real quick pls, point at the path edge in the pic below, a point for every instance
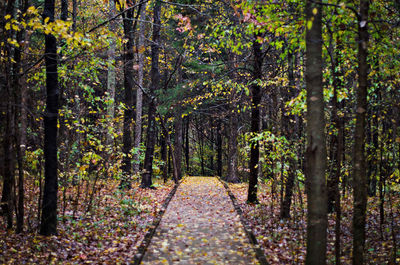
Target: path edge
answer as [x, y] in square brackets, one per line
[250, 235]
[141, 250]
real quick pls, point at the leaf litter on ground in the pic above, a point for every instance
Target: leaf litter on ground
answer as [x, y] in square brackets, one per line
[108, 234]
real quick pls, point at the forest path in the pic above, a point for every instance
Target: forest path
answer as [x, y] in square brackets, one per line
[200, 226]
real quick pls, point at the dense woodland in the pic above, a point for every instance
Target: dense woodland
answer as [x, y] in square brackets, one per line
[106, 104]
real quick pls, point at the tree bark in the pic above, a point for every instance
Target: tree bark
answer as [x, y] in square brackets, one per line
[178, 144]
[187, 150]
[316, 149]
[8, 178]
[359, 170]
[255, 120]
[20, 117]
[48, 224]
[128, 97]
[232, 149]
[139, 92]
[111, 76]
[155, 83]
[164, 154]
[219, 149]
[74, 14]
[289, 134]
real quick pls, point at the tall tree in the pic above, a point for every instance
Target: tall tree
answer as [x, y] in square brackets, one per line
[290, 133]
[155, 82]
[178, 126]
[255, 119]
[7, 200]
[111, 76]
[316, 149]
[359, 168]
[139, 93]
[128, 97]
[48, 224]
[20, 100]
[233, 125]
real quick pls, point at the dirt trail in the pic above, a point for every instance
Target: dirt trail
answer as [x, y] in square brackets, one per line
[200, 226]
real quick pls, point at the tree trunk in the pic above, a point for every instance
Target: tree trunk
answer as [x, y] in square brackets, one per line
[8, 178]
[20, 133]
[178, 143]
[255, 120]
[359, 170]
[155, 82]
[74, 14]
[187, 151]
[338, 155]
[232, 149]
[233, 125]
[49, 206]
[219, 149]
[111, 78]
[139, 93]
[164, 155]
[128, 98]
[316, 150]
[212, 150]
[289, 134]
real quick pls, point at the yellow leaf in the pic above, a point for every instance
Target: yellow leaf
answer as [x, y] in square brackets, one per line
[7, 17]
[309, 24]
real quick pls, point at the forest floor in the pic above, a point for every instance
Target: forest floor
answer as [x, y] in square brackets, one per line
[284, 241]
[109, 233]
[200, 226]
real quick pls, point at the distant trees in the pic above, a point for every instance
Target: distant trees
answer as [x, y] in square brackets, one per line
[230, 89]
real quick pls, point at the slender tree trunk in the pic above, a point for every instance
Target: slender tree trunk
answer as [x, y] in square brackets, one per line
[128, 98]
[9, 178]
[359, 171]
[111, 75]
[212, 143]
[8, 192]
[219, 149]
[178, 143]
[178, 136]
[232, 149]
[164, 155]
[48, 224]
[201, 148]
[20, 100]
[289, 133]
[316, 150]
[21, 147]
[233, 126]
[255, 120]
[155, 82]
[74, 14]
[339, 150]
[187, 151]
[139, 93]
